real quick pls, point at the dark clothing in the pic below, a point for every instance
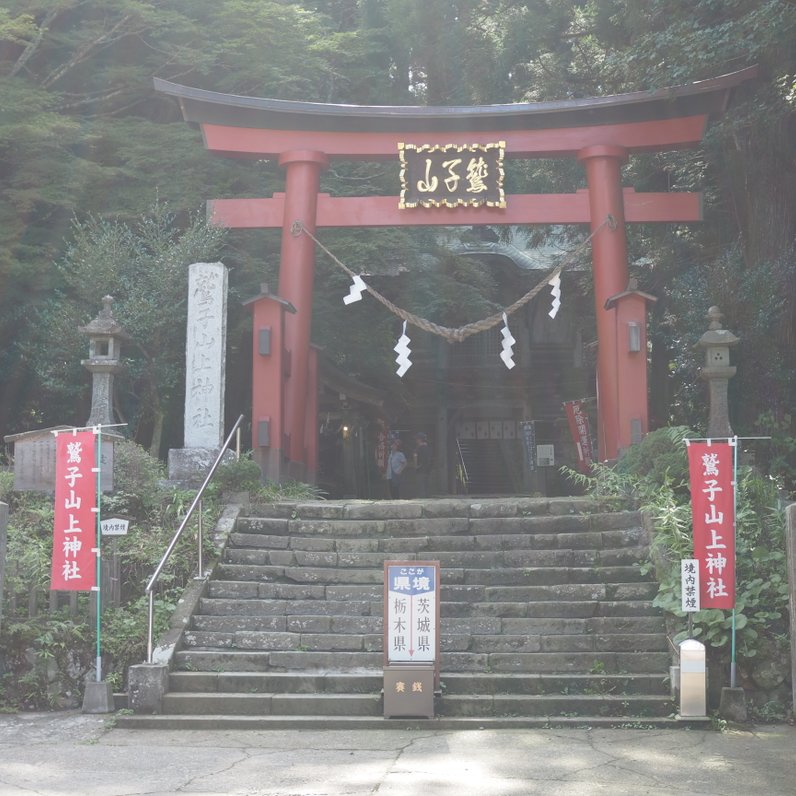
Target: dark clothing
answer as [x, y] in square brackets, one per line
[423, 468]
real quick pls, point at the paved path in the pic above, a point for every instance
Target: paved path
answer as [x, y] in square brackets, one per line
[69, 753]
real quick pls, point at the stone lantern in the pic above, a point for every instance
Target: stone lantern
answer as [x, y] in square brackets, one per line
[104, 361]
[717, 371]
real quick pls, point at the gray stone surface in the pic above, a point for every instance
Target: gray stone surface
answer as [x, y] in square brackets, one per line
[98, 697]
[205, 355]
[147, 686]
[189, 466]
[66, 753]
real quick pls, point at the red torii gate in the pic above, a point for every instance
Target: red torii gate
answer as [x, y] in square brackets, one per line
[600, 132]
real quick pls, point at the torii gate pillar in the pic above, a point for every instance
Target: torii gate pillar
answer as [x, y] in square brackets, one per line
[609, 256]
[296, 277]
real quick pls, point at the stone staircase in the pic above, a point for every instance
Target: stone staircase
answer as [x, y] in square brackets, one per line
[546, 619]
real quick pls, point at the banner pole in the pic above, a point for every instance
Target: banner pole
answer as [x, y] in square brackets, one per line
[99, 553]
[734, 443]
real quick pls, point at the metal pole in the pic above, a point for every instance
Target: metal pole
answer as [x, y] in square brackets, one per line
[150, 627]
[199, 536]
[3, 543]
[98, 432]
[734, 443]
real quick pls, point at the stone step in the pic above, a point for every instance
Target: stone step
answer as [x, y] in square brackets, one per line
[450, 641]
[314, 622]
[587, 603]
[451, 683]
[566, 609]
[488, 577]
[375, 723]
[236, 704]
[391, 527]
[611, 662]
[432, 508]
[429, 543]
[272, 682]
[474, 625]
[457, 683]
[546, 619]
[323, 704]
[480, 559]
[494, 601]
[552, 705]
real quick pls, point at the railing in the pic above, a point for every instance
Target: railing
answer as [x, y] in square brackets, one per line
[197, 503]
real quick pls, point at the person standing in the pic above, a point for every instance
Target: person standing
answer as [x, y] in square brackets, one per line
[396, 464]
[422, 462]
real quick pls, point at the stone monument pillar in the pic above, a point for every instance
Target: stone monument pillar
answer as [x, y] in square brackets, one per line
[205, 364]
[104, 351]
[717, 372]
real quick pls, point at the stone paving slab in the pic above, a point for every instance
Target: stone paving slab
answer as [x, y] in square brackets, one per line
[65, 754]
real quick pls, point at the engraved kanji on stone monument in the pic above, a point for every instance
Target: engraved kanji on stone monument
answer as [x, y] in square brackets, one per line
[205, 355]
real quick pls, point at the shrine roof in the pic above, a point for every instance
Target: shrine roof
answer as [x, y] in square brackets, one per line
[703, 97]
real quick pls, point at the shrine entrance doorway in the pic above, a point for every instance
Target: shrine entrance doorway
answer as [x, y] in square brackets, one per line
[601, 133]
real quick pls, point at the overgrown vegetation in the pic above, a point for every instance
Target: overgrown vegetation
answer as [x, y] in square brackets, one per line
[47, 648]
[47, 642]
[653, 477]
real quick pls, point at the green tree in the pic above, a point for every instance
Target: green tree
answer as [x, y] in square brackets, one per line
[144, 265]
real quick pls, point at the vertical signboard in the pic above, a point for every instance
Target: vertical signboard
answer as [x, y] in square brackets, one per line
[528, 431]
[74, 560]
[411, 611]
[710, 466]
[581, 435]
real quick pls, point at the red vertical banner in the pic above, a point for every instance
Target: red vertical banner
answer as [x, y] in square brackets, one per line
[710, 465]
[581, 435]
[74, 564]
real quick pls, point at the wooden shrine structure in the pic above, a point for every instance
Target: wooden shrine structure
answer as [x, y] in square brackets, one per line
[601, 132]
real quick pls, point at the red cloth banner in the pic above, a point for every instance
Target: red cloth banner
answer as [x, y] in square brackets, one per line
[581, 436]
[74, 566]
[710, 465]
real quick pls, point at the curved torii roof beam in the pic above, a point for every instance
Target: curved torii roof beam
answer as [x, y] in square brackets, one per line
[668, 118]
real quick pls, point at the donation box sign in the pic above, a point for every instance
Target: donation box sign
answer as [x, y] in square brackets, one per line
[411, 611]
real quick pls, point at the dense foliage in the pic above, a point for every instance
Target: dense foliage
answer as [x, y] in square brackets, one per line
[47, 646]
[82, 132]
[654, 478]
[47, 642]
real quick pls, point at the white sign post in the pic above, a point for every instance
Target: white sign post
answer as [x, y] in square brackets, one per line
[689, 584]
[114, 527]
[411, 637]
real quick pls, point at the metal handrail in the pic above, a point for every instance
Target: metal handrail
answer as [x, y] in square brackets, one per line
[197, 501]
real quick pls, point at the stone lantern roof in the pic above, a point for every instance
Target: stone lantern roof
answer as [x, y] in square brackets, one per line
[104, 324]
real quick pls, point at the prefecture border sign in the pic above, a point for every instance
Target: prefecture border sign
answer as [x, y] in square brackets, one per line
[411, 611]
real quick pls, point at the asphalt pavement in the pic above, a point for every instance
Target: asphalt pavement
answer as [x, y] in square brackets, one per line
[54, 754]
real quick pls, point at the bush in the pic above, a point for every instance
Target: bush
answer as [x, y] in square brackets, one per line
[653, 476]
[240, 475]
[44, 659]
